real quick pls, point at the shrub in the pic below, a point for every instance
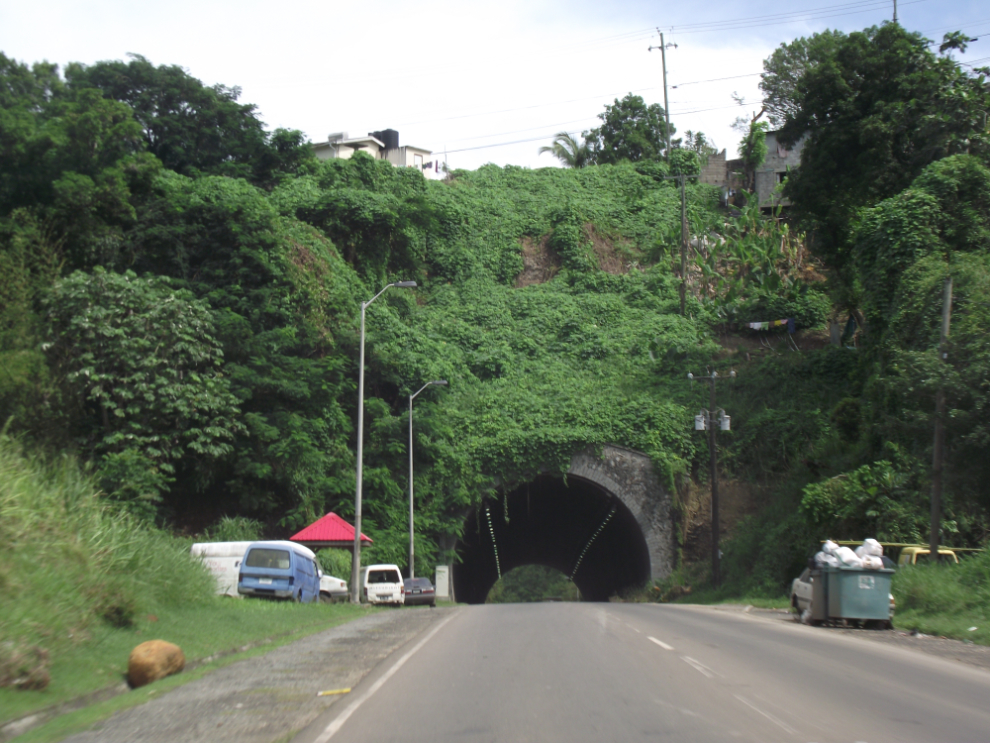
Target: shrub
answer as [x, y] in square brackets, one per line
[69, 557]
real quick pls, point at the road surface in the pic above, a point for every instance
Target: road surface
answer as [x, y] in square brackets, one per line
[625, 672]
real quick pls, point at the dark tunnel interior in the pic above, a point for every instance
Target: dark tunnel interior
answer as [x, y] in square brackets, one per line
[575, 527]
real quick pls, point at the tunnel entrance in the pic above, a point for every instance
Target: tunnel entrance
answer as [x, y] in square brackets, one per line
[576, 527]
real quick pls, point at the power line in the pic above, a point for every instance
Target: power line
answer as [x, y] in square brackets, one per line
[501, 144]
[746, 24]
[955, 26]
[572, 133]
[520, 131]
[796, 14]
[716, 79]
[524, 108]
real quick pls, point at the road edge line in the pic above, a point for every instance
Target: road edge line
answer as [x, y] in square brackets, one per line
[338, 722]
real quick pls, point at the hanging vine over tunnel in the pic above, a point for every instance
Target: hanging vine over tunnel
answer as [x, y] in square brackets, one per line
[572, 525]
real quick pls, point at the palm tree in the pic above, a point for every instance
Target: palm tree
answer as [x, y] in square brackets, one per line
[569, 151]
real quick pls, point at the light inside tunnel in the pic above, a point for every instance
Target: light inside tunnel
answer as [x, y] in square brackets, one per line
[575, 527]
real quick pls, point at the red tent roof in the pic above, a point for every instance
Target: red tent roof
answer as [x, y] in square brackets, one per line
[330, 528]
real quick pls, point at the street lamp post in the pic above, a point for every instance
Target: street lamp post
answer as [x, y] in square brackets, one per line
[356, 558]
[711, 420]
[412, 537]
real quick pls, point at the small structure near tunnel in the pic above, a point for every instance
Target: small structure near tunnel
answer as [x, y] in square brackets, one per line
[607, 524]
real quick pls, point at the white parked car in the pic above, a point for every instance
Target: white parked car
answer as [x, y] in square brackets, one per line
[332, 589]
[801, 595]
[383, 584]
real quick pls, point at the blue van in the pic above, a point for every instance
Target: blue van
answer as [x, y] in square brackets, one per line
[283, 570]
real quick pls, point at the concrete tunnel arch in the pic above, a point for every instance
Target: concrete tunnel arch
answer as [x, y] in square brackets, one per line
[607, 524]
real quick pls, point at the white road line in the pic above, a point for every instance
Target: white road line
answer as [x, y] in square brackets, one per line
[698, 665]
[662, 644]
[774, 720]
[330, 730]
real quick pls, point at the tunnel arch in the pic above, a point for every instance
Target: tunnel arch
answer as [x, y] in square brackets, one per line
[606, 524]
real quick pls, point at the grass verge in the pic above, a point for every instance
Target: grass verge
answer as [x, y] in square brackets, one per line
[210, 635]
[946, 600]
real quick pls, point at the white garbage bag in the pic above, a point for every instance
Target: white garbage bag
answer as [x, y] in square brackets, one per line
[870, 547]
[871, 562]
[829, 547]
[847, 557]
[823, 559]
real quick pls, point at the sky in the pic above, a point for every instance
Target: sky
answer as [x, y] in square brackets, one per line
[473, 82]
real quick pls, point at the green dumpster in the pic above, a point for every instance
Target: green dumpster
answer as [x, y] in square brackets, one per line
[858, 593]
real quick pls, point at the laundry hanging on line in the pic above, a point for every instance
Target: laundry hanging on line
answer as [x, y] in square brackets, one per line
[789, 322]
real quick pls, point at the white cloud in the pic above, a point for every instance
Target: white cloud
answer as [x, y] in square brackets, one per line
[443, 73]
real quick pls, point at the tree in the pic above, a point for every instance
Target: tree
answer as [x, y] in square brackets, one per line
[143, 359]
[71, 163]
[630, 130]
[877, 111]
[193, 128]
[696, 142]
[785, 67]
[753, 150]
[571, 152]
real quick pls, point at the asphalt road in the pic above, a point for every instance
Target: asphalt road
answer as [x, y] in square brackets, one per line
[626, 672]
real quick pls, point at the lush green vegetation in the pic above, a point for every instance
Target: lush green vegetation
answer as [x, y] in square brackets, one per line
[70, 561]
[946, 600]
[181, 299]
[84, 581]
[532, 583]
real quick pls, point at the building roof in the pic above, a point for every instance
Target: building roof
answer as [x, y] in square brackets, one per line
[327, 531]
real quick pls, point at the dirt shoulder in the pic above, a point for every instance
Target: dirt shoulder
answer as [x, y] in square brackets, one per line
[958, 650]
[269, 697]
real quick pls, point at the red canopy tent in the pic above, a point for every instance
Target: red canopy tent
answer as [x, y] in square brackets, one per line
[329, 531]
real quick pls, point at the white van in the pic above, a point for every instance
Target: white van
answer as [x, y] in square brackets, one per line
[383, 585]
[223, 559]
[279, 570]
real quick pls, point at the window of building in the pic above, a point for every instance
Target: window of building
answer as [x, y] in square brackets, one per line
[418, 161]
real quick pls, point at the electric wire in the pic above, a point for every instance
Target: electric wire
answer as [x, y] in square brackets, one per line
[572, 133]
[750, 22]
[716, 79]
[790, 14]
[760, 22]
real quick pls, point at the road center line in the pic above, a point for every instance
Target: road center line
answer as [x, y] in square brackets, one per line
[330, 730]
[697, 665]
[662, 644]
[774, 720]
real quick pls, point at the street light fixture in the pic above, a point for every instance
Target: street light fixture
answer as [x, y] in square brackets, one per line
[356, 558]
[412, 562]
[712, 420]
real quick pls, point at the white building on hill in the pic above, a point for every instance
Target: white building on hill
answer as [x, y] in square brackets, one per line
[382, 145]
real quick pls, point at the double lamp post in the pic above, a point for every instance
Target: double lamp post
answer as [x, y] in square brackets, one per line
[356, 560]
[712, 420]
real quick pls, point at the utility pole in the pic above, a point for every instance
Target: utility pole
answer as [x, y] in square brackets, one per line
[895, 11]
[666, 108]
[712, 420]
[933, 541]
[684, 236]
[684, 247]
